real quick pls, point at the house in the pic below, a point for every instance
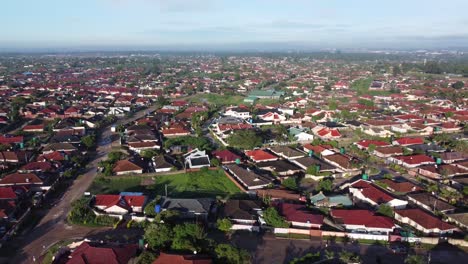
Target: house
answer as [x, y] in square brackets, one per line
[165, 258]
[343, 162]
[279, 167]
[364, 144]
[196, 159]
[326, 133]
[442, 171]
[244, 212]
[318, 150]
[400, 187]
[189, 208]
[431, 203]
[321, 200]
[93, 253]
[367, 192]
[273, 117]
[460, 219]
[239, 112]
[61, 147]
[139, 147]
[407, 141]
[287, 152]
[451, 157]
[386, 152]
[248, 178]
[34, 128]
[175, 132]
[307, 162]
[259, 155]
[13, 192]
[21, 179]
[226, 156]
[424, 222]
[298, 215]
[163, 163]
[377, 132]
[120, 204]
[362, 221]
[303, 137]
[122, 167]
[412, 161]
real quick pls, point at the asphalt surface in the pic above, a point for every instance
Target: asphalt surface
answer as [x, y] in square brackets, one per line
[53, 227]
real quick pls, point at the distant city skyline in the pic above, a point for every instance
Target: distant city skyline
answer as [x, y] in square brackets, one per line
[224, 25]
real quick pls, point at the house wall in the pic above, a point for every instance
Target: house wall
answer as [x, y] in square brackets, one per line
[116, 210]
[129, 172]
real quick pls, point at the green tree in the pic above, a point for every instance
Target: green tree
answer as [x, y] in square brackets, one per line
[215, 162]
[312, 170]
[458, 85]
[415, 259]
[307, 258]
[188, 236]
[228, 254]
[325, 185]
[158, 236]
[89, 141]
[148, 153]
[272, 218]
[224, 225]
[245, 139]
[348, 257]
[290, 183]
[146, 257]
[386, 210]
[329, 254]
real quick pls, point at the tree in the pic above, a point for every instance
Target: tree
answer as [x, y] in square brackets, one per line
[167, 216]
[415, 259]
[89, 141]
[272, 218]
[329, 254]
[325, 185]
[189, 237]
[215, 162]
[348, 257]
[245, 139]
[371, 148]
[290, 183]
[386, 210]
[307, 258]
[148, 153]
[396, 70]
[224, 225]
[158, 236]
[149, 208]
[312, 170]
[147, 257]
[458, 85]
[228, 254]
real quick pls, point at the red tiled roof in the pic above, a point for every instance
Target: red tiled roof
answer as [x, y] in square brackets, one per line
[424, 219]
[125, 165]
[362, 217]
[227, 127]
[109, 200]
[37, 166]
[20, 178]
[225, 155]
[372, 192]
[182, 259]
[365, 143]
[259, 155]
[409, 141]
[299, 213]
[403, 187]
[415, 159]
[11, 140]
[89, 254]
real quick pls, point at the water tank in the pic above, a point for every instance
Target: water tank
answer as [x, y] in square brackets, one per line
[157, 208]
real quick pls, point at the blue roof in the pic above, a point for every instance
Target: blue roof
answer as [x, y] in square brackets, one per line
[131, 194]
[341, 199]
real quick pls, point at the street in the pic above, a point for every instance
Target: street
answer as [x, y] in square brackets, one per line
[53, 227]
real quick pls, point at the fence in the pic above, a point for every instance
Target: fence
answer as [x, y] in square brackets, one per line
[309, 232]
[245, 227]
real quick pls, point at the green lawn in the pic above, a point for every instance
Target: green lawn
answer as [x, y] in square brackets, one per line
[184, 185]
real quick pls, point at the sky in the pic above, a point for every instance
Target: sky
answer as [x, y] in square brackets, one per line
[259, 24]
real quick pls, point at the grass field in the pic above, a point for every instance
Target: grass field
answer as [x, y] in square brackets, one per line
[211, 183]
[218, 99]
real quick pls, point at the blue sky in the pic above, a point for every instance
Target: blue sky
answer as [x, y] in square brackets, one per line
[211, 23]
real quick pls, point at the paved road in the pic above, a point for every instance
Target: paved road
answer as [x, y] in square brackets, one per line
[53, 226]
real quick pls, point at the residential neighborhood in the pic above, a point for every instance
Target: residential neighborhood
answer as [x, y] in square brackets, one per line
[176, 158]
